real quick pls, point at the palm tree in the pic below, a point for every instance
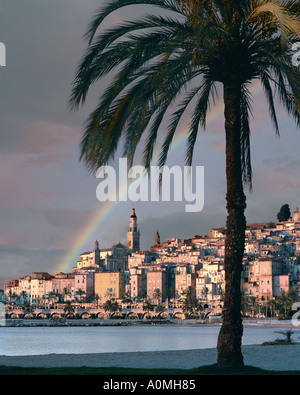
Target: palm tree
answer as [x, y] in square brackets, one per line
[127, 299]
[80, 292]
[52, 296]
[97, 299]
[111, 305]
[11, 295]
[142, 295]
[26, 307]
[191, 303]
[24, 295]
[178, 61]
[68, 307]
[66, 293]
[157, 295]
[148, 306]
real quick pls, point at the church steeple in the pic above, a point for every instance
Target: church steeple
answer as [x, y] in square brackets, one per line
[157, 239]
[133, 234]
[96, 245]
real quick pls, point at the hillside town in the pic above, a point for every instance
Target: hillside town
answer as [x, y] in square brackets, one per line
[173, 270]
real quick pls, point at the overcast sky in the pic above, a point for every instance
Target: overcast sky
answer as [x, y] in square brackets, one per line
[48, 197]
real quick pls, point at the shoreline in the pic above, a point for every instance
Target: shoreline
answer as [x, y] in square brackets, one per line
[279, 357]
[269, 357]
[247, 323]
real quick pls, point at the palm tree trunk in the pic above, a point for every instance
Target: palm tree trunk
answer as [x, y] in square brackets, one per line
[230, 336]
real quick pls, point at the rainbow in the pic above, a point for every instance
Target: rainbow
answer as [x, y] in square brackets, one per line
[110, 211]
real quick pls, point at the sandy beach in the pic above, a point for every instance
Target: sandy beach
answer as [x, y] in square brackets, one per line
[283, 357]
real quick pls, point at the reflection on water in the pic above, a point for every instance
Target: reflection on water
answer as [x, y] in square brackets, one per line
[72, 340]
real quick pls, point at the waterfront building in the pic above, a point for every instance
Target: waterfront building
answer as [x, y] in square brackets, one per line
[84, 284]
[62, 283]
[138, 284]
[266, 278]
[11, 289]
[281, 284]
[185, 278]
[38, 287]
[31, 288]
[25, 287]
[201, 289]
[109, 285]
[157, 283]
[271, 265]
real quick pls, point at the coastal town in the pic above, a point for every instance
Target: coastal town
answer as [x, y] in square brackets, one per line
[184, 274]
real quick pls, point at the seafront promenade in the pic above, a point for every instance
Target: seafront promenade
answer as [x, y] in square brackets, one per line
[82, 314]
[209, 321]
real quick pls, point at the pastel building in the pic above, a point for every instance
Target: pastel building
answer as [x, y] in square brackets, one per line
[90, 258]
[108, 285]
[63, 281]
[184, 279]
[281, 283]
[25, 285]
[114, 258]
[157, 282]
[137, 259]
[11, 288]
[84, 283]
[138, 283]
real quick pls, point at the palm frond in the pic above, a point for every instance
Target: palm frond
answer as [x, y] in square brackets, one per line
[163, 63]
[173, 125]
[198, 118]
[104, 56]
[169, 5]
[272, 12]
[265, 79]
[246, 111]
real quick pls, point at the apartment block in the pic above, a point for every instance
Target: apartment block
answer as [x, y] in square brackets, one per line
[138, 284]
[84, 282]
[184, 279]
[157, 281]
[109, 285]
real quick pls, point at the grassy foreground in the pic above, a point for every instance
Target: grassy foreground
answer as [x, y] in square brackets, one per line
[203, 370]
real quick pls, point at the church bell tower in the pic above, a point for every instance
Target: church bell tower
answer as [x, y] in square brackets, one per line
[157, 239]
[133, 234]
